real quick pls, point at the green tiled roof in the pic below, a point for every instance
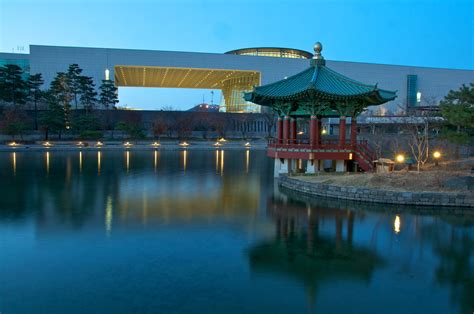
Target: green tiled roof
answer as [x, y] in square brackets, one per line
[318, 84]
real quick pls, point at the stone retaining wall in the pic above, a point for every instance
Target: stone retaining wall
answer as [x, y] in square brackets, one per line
[378, 196]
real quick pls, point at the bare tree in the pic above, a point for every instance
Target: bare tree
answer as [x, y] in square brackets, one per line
[269, 118]
[221, 123]
[418, 141]
[159, 127]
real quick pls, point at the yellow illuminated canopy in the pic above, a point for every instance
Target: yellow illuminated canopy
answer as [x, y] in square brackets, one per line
[233, 83]
[171, 77]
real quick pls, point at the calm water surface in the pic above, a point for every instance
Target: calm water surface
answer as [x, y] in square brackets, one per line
[208, 232]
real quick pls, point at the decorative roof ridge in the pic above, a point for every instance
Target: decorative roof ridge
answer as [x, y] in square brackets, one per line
[285, 79]
[341, 76]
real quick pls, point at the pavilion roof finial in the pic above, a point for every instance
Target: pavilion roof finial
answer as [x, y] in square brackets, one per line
[318, 58]
[318, 47]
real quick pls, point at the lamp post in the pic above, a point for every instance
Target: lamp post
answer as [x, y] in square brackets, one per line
[437, 156]
[400, 158]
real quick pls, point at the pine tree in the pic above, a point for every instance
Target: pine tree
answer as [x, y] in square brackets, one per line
[60, 93]
[13, 89]
[34, 83]
[108, 94]
[53, 119]
[87, 91]
[74, 81]
[458, 110]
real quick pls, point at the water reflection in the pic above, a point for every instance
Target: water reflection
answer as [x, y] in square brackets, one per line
[108, 216]
[47, 162]
[184, 154]
[14, 163]
[216, 224]
[127, 160]
[155, 160]
[247, 160]
[396, 224]
[80, 162]
[301, 250]
[99, 156]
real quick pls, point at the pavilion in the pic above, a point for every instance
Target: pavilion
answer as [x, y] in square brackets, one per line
[318, 93]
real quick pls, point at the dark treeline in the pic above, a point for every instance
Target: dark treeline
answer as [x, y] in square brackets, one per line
[68, 90]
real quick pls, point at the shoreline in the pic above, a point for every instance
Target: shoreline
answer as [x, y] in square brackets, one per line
[144, 146]
[463, 199]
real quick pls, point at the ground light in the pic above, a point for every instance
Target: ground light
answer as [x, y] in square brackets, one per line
[217, 144]
[400, 158]
[47, 144]
[127, 144]
[80, 144]
[99, 144]
[13, 144]
[155, 144]
[184, 144]
[437, 156]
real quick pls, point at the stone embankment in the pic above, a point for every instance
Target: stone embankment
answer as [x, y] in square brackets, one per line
[370, 194]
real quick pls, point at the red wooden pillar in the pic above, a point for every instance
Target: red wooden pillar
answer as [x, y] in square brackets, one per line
[314, 131]
[279, 130]
[286, 130]
[342, 131]
[353, 132]
[293, 131]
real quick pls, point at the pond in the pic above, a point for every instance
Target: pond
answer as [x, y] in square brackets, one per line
[209, 232]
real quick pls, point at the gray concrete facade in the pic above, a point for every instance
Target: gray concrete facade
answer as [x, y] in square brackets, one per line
[433, 83]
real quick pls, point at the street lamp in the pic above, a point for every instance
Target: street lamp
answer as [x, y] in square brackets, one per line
[436, 156]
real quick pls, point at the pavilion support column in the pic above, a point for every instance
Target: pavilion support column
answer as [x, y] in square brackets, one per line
[286, 130]
[353, 132]
[279, 130]
[314, 126]
[293, 130]
[342, 131]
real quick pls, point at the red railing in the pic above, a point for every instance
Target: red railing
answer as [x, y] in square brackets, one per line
[363, 154]
[305, 144]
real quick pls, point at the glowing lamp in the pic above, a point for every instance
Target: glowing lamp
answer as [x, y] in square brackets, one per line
[247, 144]
[400, 158]
[47, 144]
[324, 131]
[300, 133]
[155, 144]
[99, 144]
[127, 144]
[13, 144]
[222, 139]
[437, 154]
[217, 144]
[184, 144]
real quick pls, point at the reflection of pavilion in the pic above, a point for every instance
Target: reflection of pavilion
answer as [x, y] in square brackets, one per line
[299, 250]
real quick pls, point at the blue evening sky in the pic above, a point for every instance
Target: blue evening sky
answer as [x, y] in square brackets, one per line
[424, 33]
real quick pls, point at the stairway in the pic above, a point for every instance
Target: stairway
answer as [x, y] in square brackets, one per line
[364, 156]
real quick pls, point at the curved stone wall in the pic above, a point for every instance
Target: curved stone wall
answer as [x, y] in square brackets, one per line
[378, 196]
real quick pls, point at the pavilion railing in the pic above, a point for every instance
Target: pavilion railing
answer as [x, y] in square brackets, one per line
[305, 144]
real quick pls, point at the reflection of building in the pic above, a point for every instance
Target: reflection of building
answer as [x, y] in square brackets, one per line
[232, 72]
[300, 251]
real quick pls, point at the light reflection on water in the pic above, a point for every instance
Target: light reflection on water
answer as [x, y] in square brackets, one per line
[176, 231]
